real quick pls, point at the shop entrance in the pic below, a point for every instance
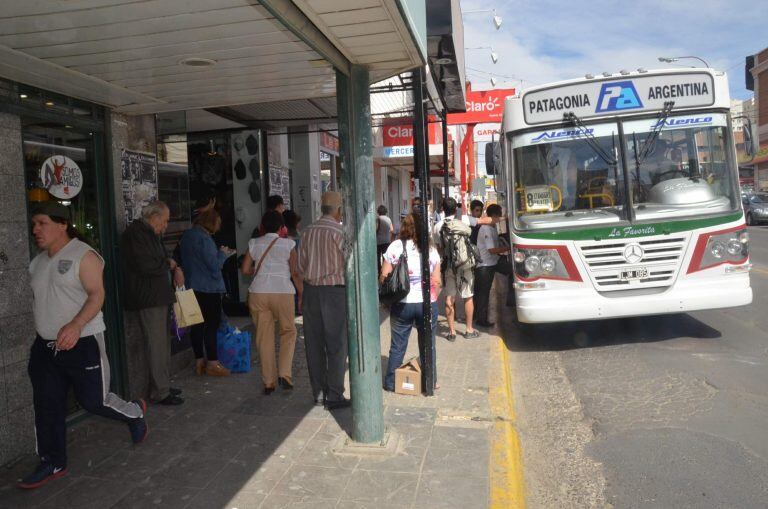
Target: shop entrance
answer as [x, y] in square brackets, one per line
[64, 160]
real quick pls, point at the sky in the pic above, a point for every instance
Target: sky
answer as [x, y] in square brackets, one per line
[551, 40]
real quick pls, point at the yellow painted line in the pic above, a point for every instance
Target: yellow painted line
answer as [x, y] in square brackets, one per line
[507, 488]
[760, 271]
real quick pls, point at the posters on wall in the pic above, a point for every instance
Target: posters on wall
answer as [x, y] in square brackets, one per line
[139, 171]
[280, 183]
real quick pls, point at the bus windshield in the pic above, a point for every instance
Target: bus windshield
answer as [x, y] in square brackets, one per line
[685, 172]
[568, 177]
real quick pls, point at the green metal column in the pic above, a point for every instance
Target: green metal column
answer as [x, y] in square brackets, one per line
[355, 137]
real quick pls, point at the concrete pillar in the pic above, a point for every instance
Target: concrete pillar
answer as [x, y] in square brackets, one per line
[306, 173]
[355, 135]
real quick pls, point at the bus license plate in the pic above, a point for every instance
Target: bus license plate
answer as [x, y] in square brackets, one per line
[634, 274]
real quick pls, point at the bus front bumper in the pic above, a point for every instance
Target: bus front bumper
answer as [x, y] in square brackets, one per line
[564, 305]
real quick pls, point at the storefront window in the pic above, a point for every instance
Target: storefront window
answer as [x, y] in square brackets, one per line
[59, 164]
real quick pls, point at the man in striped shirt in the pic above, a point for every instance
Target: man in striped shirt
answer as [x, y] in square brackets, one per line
[324, 303]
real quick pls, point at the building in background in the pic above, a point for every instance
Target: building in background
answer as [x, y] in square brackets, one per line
[757, 81]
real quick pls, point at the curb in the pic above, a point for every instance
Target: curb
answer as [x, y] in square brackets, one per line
[507, 487]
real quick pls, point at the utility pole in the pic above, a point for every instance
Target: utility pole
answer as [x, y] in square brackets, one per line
[421, 170]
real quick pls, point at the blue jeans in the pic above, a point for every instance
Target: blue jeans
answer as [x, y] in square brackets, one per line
[403, 317]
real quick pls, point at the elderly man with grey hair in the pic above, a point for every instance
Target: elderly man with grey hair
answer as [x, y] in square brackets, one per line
[148, 272]
[324, 303]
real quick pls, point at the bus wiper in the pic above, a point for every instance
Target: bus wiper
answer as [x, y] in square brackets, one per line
[650, 141]
[572, 119]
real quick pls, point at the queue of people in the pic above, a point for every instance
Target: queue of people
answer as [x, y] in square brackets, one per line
[66, 277]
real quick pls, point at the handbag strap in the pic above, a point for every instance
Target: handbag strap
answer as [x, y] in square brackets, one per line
[258, 267]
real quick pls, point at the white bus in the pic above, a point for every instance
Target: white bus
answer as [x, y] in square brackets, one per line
[623, 197]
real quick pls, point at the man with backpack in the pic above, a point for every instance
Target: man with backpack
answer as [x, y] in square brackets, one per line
[459, 259]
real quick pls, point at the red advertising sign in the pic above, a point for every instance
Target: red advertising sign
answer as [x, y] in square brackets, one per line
[483, 106]
[401, 134]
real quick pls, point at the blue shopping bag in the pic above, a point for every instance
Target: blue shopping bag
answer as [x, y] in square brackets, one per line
[234, 348]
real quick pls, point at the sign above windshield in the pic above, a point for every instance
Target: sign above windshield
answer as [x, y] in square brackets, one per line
[637, 94]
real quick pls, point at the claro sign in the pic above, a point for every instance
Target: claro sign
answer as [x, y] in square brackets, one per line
[483, 107]
[401, 135]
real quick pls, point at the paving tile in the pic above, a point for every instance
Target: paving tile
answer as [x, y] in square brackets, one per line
[407, 460]
[253, 474]
[279, 501]
[383, 488]
[195, 471]
[405, 415]
[318, 452]
[89, 492]
[320, 482]
[470, 463]
[157, 494]
[445, 437]
[134, 465]
[219, 499]
[444, 492]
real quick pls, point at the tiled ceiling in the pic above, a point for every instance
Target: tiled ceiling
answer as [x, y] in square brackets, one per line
[127, 54]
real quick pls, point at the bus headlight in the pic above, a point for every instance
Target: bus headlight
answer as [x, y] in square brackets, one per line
[716, 248]
[734, 247]
[547, 262]
[532, 263]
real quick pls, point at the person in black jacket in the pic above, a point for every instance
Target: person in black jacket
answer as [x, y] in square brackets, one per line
[147, 271]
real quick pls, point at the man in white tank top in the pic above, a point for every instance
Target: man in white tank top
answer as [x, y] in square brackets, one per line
[69, 348]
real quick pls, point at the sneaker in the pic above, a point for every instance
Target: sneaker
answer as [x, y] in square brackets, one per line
[335, 405]
[42, 474]
[175, 391]
[284, 384]
[138, 426]
[472, 335]
[171, 400]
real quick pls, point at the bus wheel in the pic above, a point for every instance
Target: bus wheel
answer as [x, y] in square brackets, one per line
[750, 221]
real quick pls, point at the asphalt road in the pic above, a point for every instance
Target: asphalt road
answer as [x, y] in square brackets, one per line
[664, 411]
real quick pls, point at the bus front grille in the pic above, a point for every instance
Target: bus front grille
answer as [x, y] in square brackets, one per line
[610, 270]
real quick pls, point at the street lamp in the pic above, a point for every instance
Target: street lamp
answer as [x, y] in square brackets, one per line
[494, 55]
[496, 18]
[670, 60]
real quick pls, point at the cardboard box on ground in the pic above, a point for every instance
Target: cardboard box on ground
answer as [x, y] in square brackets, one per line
[408, 378]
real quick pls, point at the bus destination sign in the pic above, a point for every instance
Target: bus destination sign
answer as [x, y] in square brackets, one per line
[636, 94]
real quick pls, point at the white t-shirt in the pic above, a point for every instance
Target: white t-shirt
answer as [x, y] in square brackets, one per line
[392, 255]
[487, 238]
[58, 292]
[275, 273]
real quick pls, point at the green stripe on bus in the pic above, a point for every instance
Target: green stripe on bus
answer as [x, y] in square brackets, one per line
[637, 230]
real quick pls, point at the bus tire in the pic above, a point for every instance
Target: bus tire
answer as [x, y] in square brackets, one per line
[750, 221]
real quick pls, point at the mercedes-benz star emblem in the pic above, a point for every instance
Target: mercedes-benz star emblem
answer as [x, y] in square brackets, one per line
[633, 253]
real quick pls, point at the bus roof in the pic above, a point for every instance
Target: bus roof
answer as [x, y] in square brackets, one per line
[628, 93]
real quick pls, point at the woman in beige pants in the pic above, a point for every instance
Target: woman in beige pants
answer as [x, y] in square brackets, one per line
[273, 264]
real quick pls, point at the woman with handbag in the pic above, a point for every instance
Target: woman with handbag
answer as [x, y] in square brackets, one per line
[402, 258]
[272, 261]
[202, 263]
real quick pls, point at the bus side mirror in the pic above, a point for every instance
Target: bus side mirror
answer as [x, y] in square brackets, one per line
[492, 157]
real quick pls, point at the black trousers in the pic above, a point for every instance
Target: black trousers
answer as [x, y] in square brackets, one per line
[203, 335]
[85, 368]
[483, 282]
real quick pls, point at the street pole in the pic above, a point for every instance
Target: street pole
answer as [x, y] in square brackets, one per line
[355, 137]
[421, 169]
[446, 183]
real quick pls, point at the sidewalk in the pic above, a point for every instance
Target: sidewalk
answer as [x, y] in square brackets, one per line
[229, 446]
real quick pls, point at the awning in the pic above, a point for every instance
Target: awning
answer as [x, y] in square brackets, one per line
[170, 55]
